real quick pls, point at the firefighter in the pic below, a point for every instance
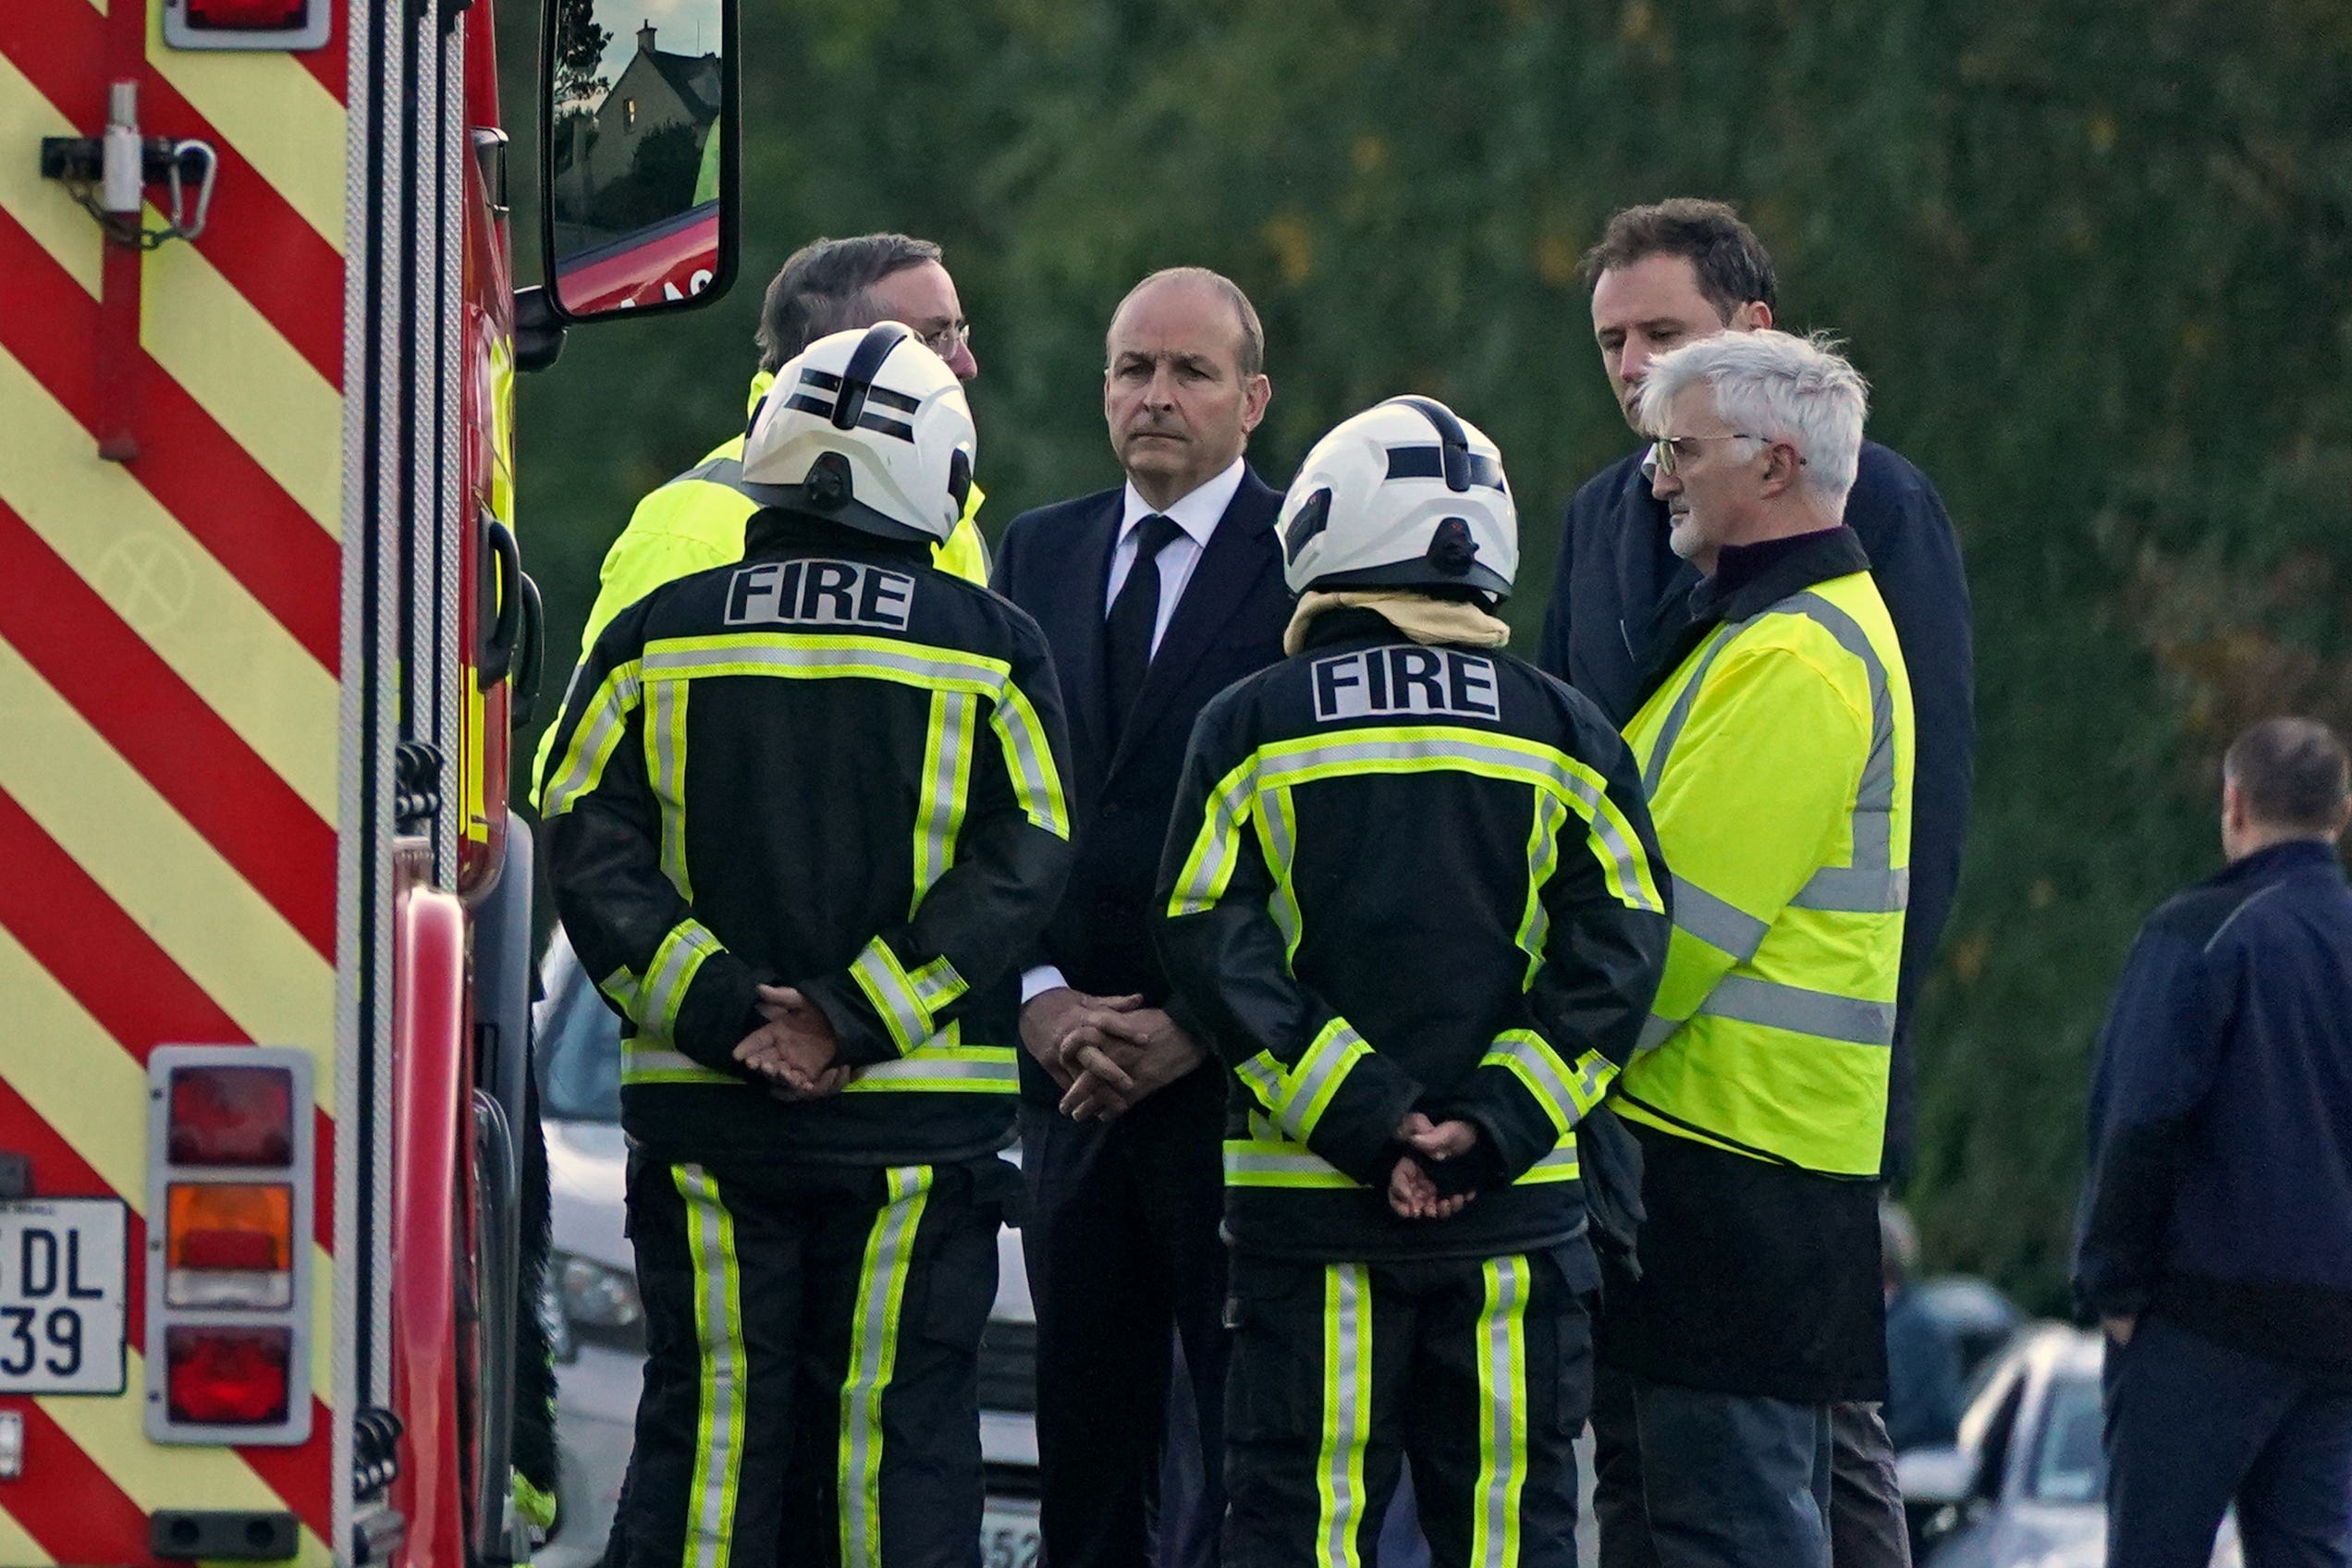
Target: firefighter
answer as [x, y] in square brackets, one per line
[1412, 894]
[802, 813]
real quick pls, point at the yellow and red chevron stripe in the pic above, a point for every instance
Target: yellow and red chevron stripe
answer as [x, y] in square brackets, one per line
[170, 634]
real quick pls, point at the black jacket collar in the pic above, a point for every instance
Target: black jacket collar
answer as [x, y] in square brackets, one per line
[1832, 553]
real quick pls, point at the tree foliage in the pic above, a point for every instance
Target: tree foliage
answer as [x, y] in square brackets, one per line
[2096, 258]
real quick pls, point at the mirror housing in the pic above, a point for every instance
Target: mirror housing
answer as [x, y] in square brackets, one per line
[639, 177]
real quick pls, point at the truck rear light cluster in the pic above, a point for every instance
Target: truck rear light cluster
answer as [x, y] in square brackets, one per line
[229, 1269]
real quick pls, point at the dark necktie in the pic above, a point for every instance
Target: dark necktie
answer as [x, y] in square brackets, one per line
[1127, 633]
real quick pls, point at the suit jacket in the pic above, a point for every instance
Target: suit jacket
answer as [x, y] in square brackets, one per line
[1619, 600]
[1055, 562]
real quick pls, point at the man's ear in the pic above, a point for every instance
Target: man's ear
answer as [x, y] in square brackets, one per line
[1255, 394]
[1781, 469]
[1754, 317]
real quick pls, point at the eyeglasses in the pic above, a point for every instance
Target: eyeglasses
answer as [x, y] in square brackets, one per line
[1667, 450]
[948, 339]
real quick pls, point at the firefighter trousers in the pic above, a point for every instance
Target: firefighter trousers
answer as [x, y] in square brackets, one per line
[1479, 1371]
[811, 1395]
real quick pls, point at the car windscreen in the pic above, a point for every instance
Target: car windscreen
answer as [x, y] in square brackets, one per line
[579, 1051]
[2069, 1464]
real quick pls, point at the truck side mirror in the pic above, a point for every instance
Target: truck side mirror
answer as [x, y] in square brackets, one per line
[638, 159]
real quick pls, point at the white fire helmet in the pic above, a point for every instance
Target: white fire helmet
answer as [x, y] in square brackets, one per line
[1403, 496]
[868, 429]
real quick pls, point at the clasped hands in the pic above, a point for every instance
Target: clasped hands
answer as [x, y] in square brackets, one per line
[1108, 1054]
[794, 1050]
[1413, 1192]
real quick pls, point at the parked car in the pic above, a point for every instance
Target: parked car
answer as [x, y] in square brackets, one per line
[2025, 1484]
[597, 1323]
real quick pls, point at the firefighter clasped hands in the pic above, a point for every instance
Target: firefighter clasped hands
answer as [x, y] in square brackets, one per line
[794, 1048]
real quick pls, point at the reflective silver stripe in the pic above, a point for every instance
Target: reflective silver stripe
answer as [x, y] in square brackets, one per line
[1295, 761]
[718, 1457]
[676, 962]
[1562, 1158]
[923, 665]
[937, 983]
[1874, 799]
[887, 985]
[1654, 1032]
[718, 471]
[645, 1060]
[1750, 1000]
[874, 1354]
[1036, 780]
[665, 740]
[1716, 922]
[1274, 812]
[1543, 859]
[1503, 1414]
[1264, 1075]
[1255, 1163]
[966, 1070]
[1853, 890]
[1679, 714]
[1535, 1065]
[1347, 1410]
[949, 760]
[1310, 1086]
[1209, 865]
[584, 760]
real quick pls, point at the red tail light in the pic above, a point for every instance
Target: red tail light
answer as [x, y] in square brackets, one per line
[228, 1377]
[240, 1116]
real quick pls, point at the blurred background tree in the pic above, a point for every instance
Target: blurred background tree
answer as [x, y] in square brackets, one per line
[2096, 258]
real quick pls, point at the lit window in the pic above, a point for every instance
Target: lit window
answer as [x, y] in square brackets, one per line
[629, 112]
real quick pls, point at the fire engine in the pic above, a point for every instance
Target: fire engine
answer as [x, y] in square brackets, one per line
[264, 637]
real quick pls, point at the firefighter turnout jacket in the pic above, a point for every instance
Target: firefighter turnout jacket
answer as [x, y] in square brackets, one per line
[1409, 878]
[834, 767]
[697, 521]
[1777, 758]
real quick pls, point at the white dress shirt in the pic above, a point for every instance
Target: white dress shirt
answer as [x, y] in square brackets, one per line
[1195, 516]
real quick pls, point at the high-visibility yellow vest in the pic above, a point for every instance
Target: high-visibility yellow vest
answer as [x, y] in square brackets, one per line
[1778, 761]
[695, 522]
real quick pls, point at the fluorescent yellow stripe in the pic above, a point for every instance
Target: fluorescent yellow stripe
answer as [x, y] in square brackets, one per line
[164, 874]
[113, 1433]
[280, 118]
[214, 635]
[74, 1075]
[229, 357]
[55, 220]
[18, 1548]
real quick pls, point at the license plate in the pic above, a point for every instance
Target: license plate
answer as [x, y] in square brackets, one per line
[1009, 1535]
[62, 1265]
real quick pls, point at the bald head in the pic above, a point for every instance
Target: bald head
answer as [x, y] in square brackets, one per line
[1198, 285]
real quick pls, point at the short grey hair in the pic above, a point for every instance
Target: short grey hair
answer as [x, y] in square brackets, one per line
[827, 287]
[1775, 387]
[1249, 354]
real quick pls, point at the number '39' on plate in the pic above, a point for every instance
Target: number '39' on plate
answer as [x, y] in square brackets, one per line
[62, 1263]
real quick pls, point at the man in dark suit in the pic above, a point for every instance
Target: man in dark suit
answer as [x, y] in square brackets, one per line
[1154, 596]
[1662, 275]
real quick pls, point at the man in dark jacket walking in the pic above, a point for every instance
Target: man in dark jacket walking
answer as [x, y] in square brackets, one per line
[2216, 1237]
[1662, 275]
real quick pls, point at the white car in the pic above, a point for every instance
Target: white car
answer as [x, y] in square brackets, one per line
[2026, 1486]
[597, 1323]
